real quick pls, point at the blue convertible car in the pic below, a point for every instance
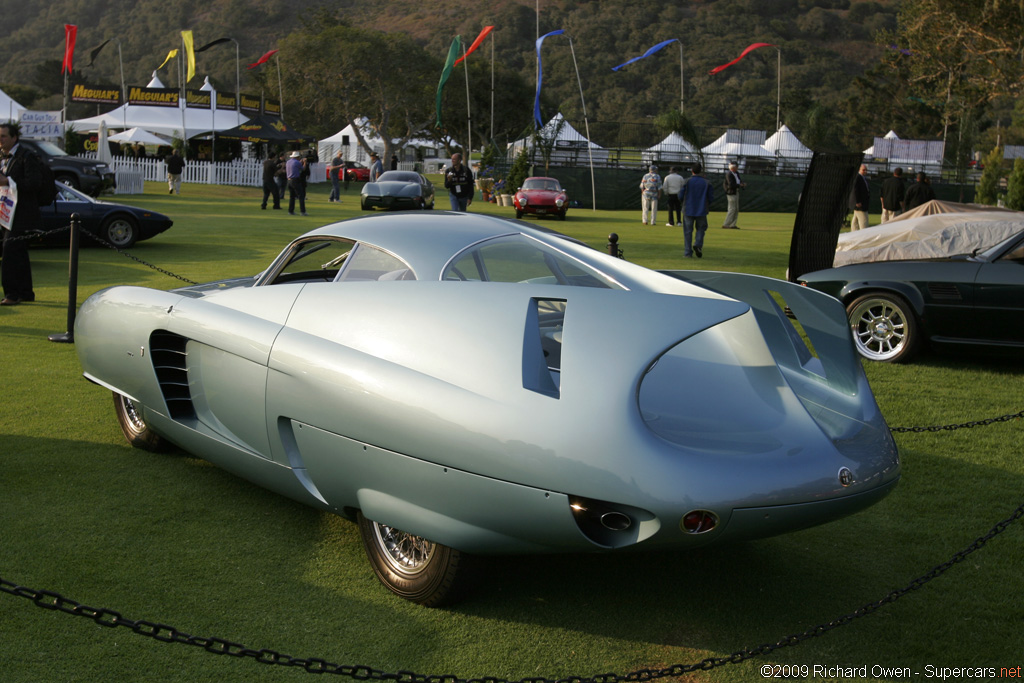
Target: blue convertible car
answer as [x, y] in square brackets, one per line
[460, 383]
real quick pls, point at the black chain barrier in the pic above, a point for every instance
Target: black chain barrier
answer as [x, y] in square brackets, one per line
[965, 425]
[37, 234]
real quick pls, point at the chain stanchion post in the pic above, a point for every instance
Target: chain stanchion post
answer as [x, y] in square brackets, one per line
[69, 336]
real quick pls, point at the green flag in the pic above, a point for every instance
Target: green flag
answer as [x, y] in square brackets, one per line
[453, 54]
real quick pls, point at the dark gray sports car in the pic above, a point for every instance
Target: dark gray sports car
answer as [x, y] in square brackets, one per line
[966, 301]
[398, 190]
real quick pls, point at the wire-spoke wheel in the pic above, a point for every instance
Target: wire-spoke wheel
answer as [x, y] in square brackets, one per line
[411, 566]
[884, 327]
[134, 427]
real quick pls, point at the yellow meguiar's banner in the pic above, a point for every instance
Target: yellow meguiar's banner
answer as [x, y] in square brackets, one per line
[190, 55]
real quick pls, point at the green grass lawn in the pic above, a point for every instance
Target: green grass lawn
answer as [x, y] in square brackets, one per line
[173, 540]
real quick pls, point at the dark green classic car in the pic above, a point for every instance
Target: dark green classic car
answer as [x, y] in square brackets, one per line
[964, 301]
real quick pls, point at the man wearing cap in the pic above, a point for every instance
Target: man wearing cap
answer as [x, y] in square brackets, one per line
[650, 191]
[296, 183]
[376, 167]
[732, 185]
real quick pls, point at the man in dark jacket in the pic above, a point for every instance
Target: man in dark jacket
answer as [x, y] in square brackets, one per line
[458, 180]
[270, 182]
[21, 170]
[920, 192]
[696, 197]
[859, 200]
[894, 192]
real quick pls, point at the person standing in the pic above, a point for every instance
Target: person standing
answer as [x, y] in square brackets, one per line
[295, 172]
[919, 192]
[458, 180]
[394, 162]
[860, 199]
[650, 191]
[673, 184]
[732, 186]
[22, 170]
[894, 192]
[376, 167]
[334, 170]
[696, 197]
[175, 166]
[270, 188]
[281, 175]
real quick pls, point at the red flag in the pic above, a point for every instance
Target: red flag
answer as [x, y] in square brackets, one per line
[70, 33]
[476, 43]
[263, 59]
[745, 53]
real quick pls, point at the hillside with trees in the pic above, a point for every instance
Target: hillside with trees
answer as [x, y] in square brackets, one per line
[845, 74]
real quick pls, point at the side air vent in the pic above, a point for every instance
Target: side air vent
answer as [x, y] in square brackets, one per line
[170, 361]
[944, 291]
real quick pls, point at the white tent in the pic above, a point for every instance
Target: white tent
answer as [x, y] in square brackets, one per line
[735, 145]
[169, 121]
[133, 135]
[326, 148]
[870, 151]
[672, 149]
[569, 145]
[911, 155]
[785, 144]
[9, 109]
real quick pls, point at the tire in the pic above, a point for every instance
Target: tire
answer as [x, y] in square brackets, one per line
[519, 214]
[561, 216]
[134, 427]
[410, 566]
[69, 180]
[121, 231]
[884, 327]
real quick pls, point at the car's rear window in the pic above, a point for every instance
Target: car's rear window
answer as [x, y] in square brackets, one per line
[521, 259]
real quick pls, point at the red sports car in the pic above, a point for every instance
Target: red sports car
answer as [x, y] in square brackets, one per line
[353, 172]
[541, 197]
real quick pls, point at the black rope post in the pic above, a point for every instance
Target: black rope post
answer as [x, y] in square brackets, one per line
[613, 245]
[69, 336]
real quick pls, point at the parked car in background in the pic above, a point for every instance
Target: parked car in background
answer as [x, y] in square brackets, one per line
[87, 175]
[398, 190]
[966, 301]
[356, 172]
[541, 197]
[119, 224]
[405, 371]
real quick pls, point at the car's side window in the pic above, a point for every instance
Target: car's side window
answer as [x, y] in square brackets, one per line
[1016, 254]
[313, 260]
[522, 260]
[370, 263]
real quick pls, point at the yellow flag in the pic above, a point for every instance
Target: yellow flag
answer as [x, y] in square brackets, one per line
[190, 55]
[170, 55]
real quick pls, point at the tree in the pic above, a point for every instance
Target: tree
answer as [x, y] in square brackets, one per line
[340, 73]
[988, 185]
[1015, 186]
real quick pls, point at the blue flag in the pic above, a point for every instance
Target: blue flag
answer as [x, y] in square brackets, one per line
[540, 74]
[646, 54]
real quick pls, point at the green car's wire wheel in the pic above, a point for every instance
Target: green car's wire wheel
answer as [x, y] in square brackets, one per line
[411, 566]
[884, 327]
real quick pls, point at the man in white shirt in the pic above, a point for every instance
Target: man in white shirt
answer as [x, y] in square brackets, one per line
[673, 184]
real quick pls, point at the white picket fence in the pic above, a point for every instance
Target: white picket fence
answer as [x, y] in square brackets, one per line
[131, 173]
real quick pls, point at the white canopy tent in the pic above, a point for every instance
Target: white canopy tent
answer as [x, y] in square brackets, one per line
[169, 121]
[912, 155]
[10, 110]
[328, 147]
[134, 135]
[735, 145]
[790, 154]
[569, 146]
[672, 149]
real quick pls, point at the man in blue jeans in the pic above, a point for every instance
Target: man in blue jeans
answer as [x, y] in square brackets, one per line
[696, 197]
[458, 180]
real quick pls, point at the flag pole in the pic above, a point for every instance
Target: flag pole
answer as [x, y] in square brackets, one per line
[778, 94]
[492, 86]
[590, 147]
[469, 116]
[280, 85]
[682, 82]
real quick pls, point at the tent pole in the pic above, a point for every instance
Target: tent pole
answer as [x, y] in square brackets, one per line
[590, 148]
